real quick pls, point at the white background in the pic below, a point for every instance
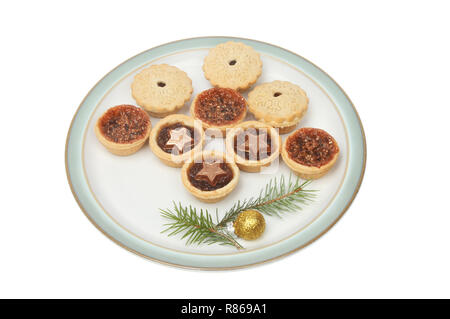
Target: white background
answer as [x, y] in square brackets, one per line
[392, 59]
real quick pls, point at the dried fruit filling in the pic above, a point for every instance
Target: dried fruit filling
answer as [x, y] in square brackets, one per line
[311, 147]
[253, 144]
[124, 124]
[219, 106]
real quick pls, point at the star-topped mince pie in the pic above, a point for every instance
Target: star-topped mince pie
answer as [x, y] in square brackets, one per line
[180, 138]
[176, 138]
[253, 145]
[210, 176]
[219, 108]
[123, 129]
[310, 152]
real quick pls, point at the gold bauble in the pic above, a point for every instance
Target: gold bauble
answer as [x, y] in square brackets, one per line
[249, 225]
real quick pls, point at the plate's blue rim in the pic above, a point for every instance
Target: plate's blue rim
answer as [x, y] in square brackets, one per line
[90, 207]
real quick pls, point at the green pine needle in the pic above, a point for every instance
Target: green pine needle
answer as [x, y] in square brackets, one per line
[197, 228]
[278, 197]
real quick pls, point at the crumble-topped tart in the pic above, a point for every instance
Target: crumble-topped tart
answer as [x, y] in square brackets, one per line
[310, 152]
[123, 129]
[219, 108]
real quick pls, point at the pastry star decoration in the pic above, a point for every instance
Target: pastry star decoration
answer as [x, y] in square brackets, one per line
[210, 172]
[253, 143]
[179, 138]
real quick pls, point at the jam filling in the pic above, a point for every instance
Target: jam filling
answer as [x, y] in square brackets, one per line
[253, 144]
[209, 176]
[177, 138]
[311, 147]
[219, 106]
[124, 124]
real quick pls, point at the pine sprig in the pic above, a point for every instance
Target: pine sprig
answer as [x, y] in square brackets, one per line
[279, 196]
[197, 228]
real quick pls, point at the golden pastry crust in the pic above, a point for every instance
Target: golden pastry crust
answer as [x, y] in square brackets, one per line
[253, 166]
[229, 124]
[161, 89]
[310, 171]
[280, 104]
[216, 195]
[170, 159]
[232, 65]
[118, 147]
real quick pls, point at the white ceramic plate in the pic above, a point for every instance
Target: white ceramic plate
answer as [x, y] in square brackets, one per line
[122, 195]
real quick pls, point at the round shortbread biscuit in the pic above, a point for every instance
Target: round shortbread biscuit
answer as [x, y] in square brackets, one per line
[232, 65]
[161, 89]
[280, 104]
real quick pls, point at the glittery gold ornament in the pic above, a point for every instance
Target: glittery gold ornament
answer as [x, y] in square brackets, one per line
[249, 224]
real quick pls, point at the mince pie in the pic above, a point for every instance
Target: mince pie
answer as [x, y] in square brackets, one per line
[210, 176]
[232, 65]
[310, 152]
[219, 109]
[176, 138]
[123, 129]
[280, 104]
[161, 89]
[253, 145]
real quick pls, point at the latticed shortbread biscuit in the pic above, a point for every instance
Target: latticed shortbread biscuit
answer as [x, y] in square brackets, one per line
[278, 103]
[161, 89]
[232, 65]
